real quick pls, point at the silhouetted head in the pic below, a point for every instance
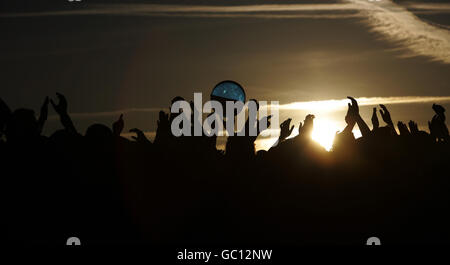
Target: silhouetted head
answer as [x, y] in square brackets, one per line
[177, 98]
[99, 132]
[61, 138]
[383, 132]
[343, 141]
[261, 153]
[438, 109]
[173, 115]
[22, 125]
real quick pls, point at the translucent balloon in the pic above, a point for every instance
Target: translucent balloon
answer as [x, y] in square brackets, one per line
[228, 90]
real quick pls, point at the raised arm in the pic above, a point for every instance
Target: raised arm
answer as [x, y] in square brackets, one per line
[140, 136]
[43, 115]
[244, 145]
[403, 129]
[117, 126]
[163, 131]
[285, 131]
[350, 120]
[354, 110]
[413, 127]
[305, 129]
[61, 109]
[375, 122]
[387, 118]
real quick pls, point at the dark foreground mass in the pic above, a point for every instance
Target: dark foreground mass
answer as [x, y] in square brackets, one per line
[182, 191]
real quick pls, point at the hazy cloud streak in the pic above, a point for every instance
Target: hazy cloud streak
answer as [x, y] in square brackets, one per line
[324, 105]
[363, 101]
[394, 22]
[198, 10]
[397, 24]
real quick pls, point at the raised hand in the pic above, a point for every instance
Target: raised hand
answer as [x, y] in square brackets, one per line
[265, 120]
[386, 115]
[163, 131]
[305, 129]
[300, 128]
[403, 129]
[172, 116]
[285, 130]
[242, 143]
[118, 126]
[163, 122]
[350, 119]
[375, 122]
[354, 113]
[43, 115]
[140, 136]
[387, 118]
[354, 108]
[61, 107]
[413, 127]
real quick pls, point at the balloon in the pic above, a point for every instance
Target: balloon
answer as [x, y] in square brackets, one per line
[228, 90]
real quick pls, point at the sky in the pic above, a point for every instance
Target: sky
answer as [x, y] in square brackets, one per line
[109, 57]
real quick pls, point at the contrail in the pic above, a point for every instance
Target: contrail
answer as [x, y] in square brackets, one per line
[398, 25]
[332, 11]
[394, 22]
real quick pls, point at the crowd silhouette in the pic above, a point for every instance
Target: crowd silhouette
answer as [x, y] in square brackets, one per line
[183, 191]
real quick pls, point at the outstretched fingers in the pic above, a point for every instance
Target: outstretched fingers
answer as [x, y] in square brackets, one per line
[61, 106]
[118, 126]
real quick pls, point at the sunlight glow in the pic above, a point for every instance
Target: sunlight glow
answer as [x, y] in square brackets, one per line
[326, 123]
[324, 132]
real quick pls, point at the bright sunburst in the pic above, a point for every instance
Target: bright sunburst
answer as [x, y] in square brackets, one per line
[324, 132]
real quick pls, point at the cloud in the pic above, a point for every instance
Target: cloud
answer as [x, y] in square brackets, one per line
[340, 10]
[393, 22]
[396, 24]
[329, 105]
[438, 7]
[322, 105]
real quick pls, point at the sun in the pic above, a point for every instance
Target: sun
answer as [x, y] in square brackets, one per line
[325, 131]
